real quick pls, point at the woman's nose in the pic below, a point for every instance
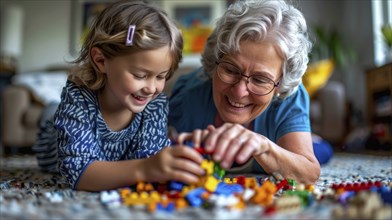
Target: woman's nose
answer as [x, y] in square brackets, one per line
[241, 87]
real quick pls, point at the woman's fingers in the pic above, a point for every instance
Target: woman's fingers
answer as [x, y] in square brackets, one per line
[232, 142]
[197, 137]
[228, 143]
[224, 138]
[182, 137]
[235, 146]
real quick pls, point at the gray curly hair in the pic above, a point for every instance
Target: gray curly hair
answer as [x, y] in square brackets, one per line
[258, 20]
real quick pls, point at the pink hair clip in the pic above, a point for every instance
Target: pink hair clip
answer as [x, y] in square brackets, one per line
[131, 32]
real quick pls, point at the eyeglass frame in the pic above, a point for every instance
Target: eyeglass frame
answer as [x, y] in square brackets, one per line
[276, 84]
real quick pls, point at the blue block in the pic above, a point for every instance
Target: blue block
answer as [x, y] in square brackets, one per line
[228, 189]
[194, 197]
[175, 185]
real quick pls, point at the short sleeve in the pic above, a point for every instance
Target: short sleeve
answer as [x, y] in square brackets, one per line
[293, 115]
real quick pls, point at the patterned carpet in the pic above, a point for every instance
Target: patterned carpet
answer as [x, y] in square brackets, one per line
[27, 193]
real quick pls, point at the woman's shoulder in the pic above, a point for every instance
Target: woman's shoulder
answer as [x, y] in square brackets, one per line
[299, 98]
[190, 81]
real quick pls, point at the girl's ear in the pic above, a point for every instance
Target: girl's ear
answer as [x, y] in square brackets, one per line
[98, 59]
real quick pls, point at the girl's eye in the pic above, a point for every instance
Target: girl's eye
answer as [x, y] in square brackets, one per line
[139, 76]
[161, 77]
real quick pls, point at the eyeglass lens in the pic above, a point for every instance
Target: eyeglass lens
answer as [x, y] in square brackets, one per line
[256, 83]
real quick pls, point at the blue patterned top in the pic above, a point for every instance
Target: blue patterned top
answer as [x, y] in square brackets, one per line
[84, 137]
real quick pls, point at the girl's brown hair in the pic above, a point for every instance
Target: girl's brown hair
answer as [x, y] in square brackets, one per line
[154, 29]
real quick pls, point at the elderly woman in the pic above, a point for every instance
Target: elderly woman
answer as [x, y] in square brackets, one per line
[247, 104]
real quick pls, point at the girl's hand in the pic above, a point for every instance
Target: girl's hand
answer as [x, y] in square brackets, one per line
[233, 142]
[179, 163]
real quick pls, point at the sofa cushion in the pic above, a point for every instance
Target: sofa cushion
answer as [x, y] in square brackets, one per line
[46, 87]
[31, 116]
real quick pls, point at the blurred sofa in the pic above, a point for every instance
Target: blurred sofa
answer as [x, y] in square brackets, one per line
[20, 115]
[23, 102]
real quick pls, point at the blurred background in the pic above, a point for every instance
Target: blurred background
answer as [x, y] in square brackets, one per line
[349, 77]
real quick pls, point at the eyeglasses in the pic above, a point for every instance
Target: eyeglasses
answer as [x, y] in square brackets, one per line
[256, 83]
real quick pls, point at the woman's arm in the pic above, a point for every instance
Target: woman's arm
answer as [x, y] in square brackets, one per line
[292, 156]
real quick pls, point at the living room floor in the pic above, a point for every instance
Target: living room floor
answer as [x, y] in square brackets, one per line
[27, 193]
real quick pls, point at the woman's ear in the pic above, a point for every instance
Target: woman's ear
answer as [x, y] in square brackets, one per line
[98, 58]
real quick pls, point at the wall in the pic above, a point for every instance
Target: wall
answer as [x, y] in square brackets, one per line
[353, 19]
[48, 31]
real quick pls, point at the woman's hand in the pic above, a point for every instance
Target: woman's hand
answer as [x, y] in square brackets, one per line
[180, 163]
[228, 143]
[233, 142]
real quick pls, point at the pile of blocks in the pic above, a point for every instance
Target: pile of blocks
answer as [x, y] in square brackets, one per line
[274, 194]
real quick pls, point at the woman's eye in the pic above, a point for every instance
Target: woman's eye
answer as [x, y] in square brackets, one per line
[260, 80]
[231, 71]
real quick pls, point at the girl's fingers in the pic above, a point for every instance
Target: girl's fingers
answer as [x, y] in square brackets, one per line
[188, 166]
[185, 177]
[188, 153]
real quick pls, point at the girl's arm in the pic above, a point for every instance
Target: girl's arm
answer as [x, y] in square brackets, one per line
[178, 163]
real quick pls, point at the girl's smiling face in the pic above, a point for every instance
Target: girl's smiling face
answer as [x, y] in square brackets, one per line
[235, 103]
[134, 80]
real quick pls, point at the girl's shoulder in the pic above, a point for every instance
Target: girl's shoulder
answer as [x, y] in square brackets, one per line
[75, 93]
[157, 105]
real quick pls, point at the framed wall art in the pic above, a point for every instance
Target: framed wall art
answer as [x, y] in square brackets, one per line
[83, 14]
[196, 20]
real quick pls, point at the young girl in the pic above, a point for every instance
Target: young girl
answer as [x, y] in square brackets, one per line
[112, 119]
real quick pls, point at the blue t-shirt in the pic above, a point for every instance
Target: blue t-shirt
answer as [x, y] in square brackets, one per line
[84, 137]
[192, 107]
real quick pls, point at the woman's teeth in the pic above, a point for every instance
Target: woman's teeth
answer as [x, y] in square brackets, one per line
[236, 104]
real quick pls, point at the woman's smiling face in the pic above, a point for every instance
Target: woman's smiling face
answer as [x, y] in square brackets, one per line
[235, 103]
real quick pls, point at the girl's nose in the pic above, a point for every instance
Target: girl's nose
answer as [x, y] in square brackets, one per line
[150, 86]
